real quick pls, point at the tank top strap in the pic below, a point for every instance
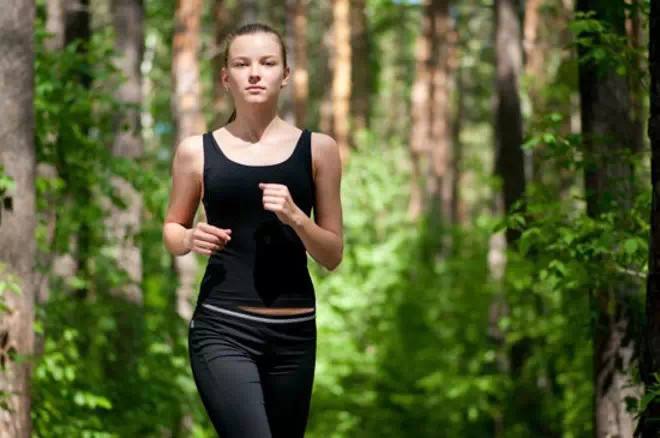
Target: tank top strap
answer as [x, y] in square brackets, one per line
[209, 155]
[306, 154]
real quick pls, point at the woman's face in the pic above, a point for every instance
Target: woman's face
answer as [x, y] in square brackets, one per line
[255, 71]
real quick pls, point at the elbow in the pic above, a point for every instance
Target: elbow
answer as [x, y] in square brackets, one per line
[169, 238]
[336, 261]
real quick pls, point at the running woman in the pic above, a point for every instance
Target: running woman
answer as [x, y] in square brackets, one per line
[252, 336]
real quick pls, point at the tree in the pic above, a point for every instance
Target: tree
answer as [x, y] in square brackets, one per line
[341, 78]
[18, 216]
[607, 130]
[189, 120]
[650, 360]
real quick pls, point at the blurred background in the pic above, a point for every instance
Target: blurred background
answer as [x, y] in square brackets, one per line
[496, 199]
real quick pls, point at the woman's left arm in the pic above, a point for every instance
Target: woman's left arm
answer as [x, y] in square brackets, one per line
[324, 239]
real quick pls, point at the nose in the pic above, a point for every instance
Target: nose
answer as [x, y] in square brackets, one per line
[254, 70]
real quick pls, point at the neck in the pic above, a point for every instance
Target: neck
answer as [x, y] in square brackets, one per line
[251, 124]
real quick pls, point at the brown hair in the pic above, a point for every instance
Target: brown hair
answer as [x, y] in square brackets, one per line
[247, 29]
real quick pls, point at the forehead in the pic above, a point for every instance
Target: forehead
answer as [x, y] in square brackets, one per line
[254, 45]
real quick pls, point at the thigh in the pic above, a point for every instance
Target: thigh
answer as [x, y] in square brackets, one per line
[229, 384]
[287, 377]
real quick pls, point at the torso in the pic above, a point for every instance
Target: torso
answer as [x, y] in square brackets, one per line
[264, 159]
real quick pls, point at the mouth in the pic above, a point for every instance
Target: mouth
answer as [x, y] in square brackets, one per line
[255, 88]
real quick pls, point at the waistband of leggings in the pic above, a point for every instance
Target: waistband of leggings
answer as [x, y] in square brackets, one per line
[261, 318]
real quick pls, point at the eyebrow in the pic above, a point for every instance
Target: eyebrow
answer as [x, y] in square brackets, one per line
[235, 58]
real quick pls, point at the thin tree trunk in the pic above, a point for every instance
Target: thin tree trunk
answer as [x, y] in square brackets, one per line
[439, 178]
[17, 215]
[300, 82]
[77, 28]
[508, 116]
[189, 121]
[360, 67]
[250, 11]
[458, 208]
[420, 111]
[650, 359]
[124, 224]
[606, 128]
[533, 53]
[221, 100]
[509, 168]
[341, 81]
[634, 32]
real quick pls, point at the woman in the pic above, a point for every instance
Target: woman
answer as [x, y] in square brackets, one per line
[252, 337]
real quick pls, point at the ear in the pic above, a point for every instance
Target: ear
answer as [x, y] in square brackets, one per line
[287, 75]
[224, 79]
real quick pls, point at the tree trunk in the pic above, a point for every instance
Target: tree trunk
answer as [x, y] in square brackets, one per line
[634, 32]
[189, 121]
[341, 80]
[360, 67]
[250, 9]
[508, 160]
[439, 172]
[606, 129]
[533, 53]
[222, 107]
[124, 224]
[17, 215]
[458, 208]
[508, 118]
[420, 110]
[300, 82]
[650, 358]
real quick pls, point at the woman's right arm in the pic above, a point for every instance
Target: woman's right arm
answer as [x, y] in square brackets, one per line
[184, 196]
[179, 235]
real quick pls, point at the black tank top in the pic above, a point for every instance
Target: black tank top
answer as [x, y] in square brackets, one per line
[265, 262]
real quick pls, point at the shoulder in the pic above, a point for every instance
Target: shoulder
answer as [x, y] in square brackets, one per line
[325, 151]
[188, 154]
[189, 148]
[323, 146]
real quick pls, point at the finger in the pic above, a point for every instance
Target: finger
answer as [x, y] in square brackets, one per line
[272, 198]
[275, 188]
[272, 206]
[207, 245]
[202, 251]
[220, 232]
[207, 237]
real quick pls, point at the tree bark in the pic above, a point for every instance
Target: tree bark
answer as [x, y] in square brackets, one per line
[650, 359]
[221, 102]
[606, 128]
[438, 180]
[509, 164]
[360, 67]
[189, 121]
[300, 79]
[124, 224]
[18, 215]
[420, 109]
[341, 80]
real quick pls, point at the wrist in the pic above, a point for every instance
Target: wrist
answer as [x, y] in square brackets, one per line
[187, 241]
[299, 220]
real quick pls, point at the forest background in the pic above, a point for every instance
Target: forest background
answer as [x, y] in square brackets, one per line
[499, 216]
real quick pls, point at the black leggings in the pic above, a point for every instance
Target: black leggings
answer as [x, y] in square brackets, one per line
[254, 373]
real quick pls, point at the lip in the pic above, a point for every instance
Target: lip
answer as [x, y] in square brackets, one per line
[255, 88]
